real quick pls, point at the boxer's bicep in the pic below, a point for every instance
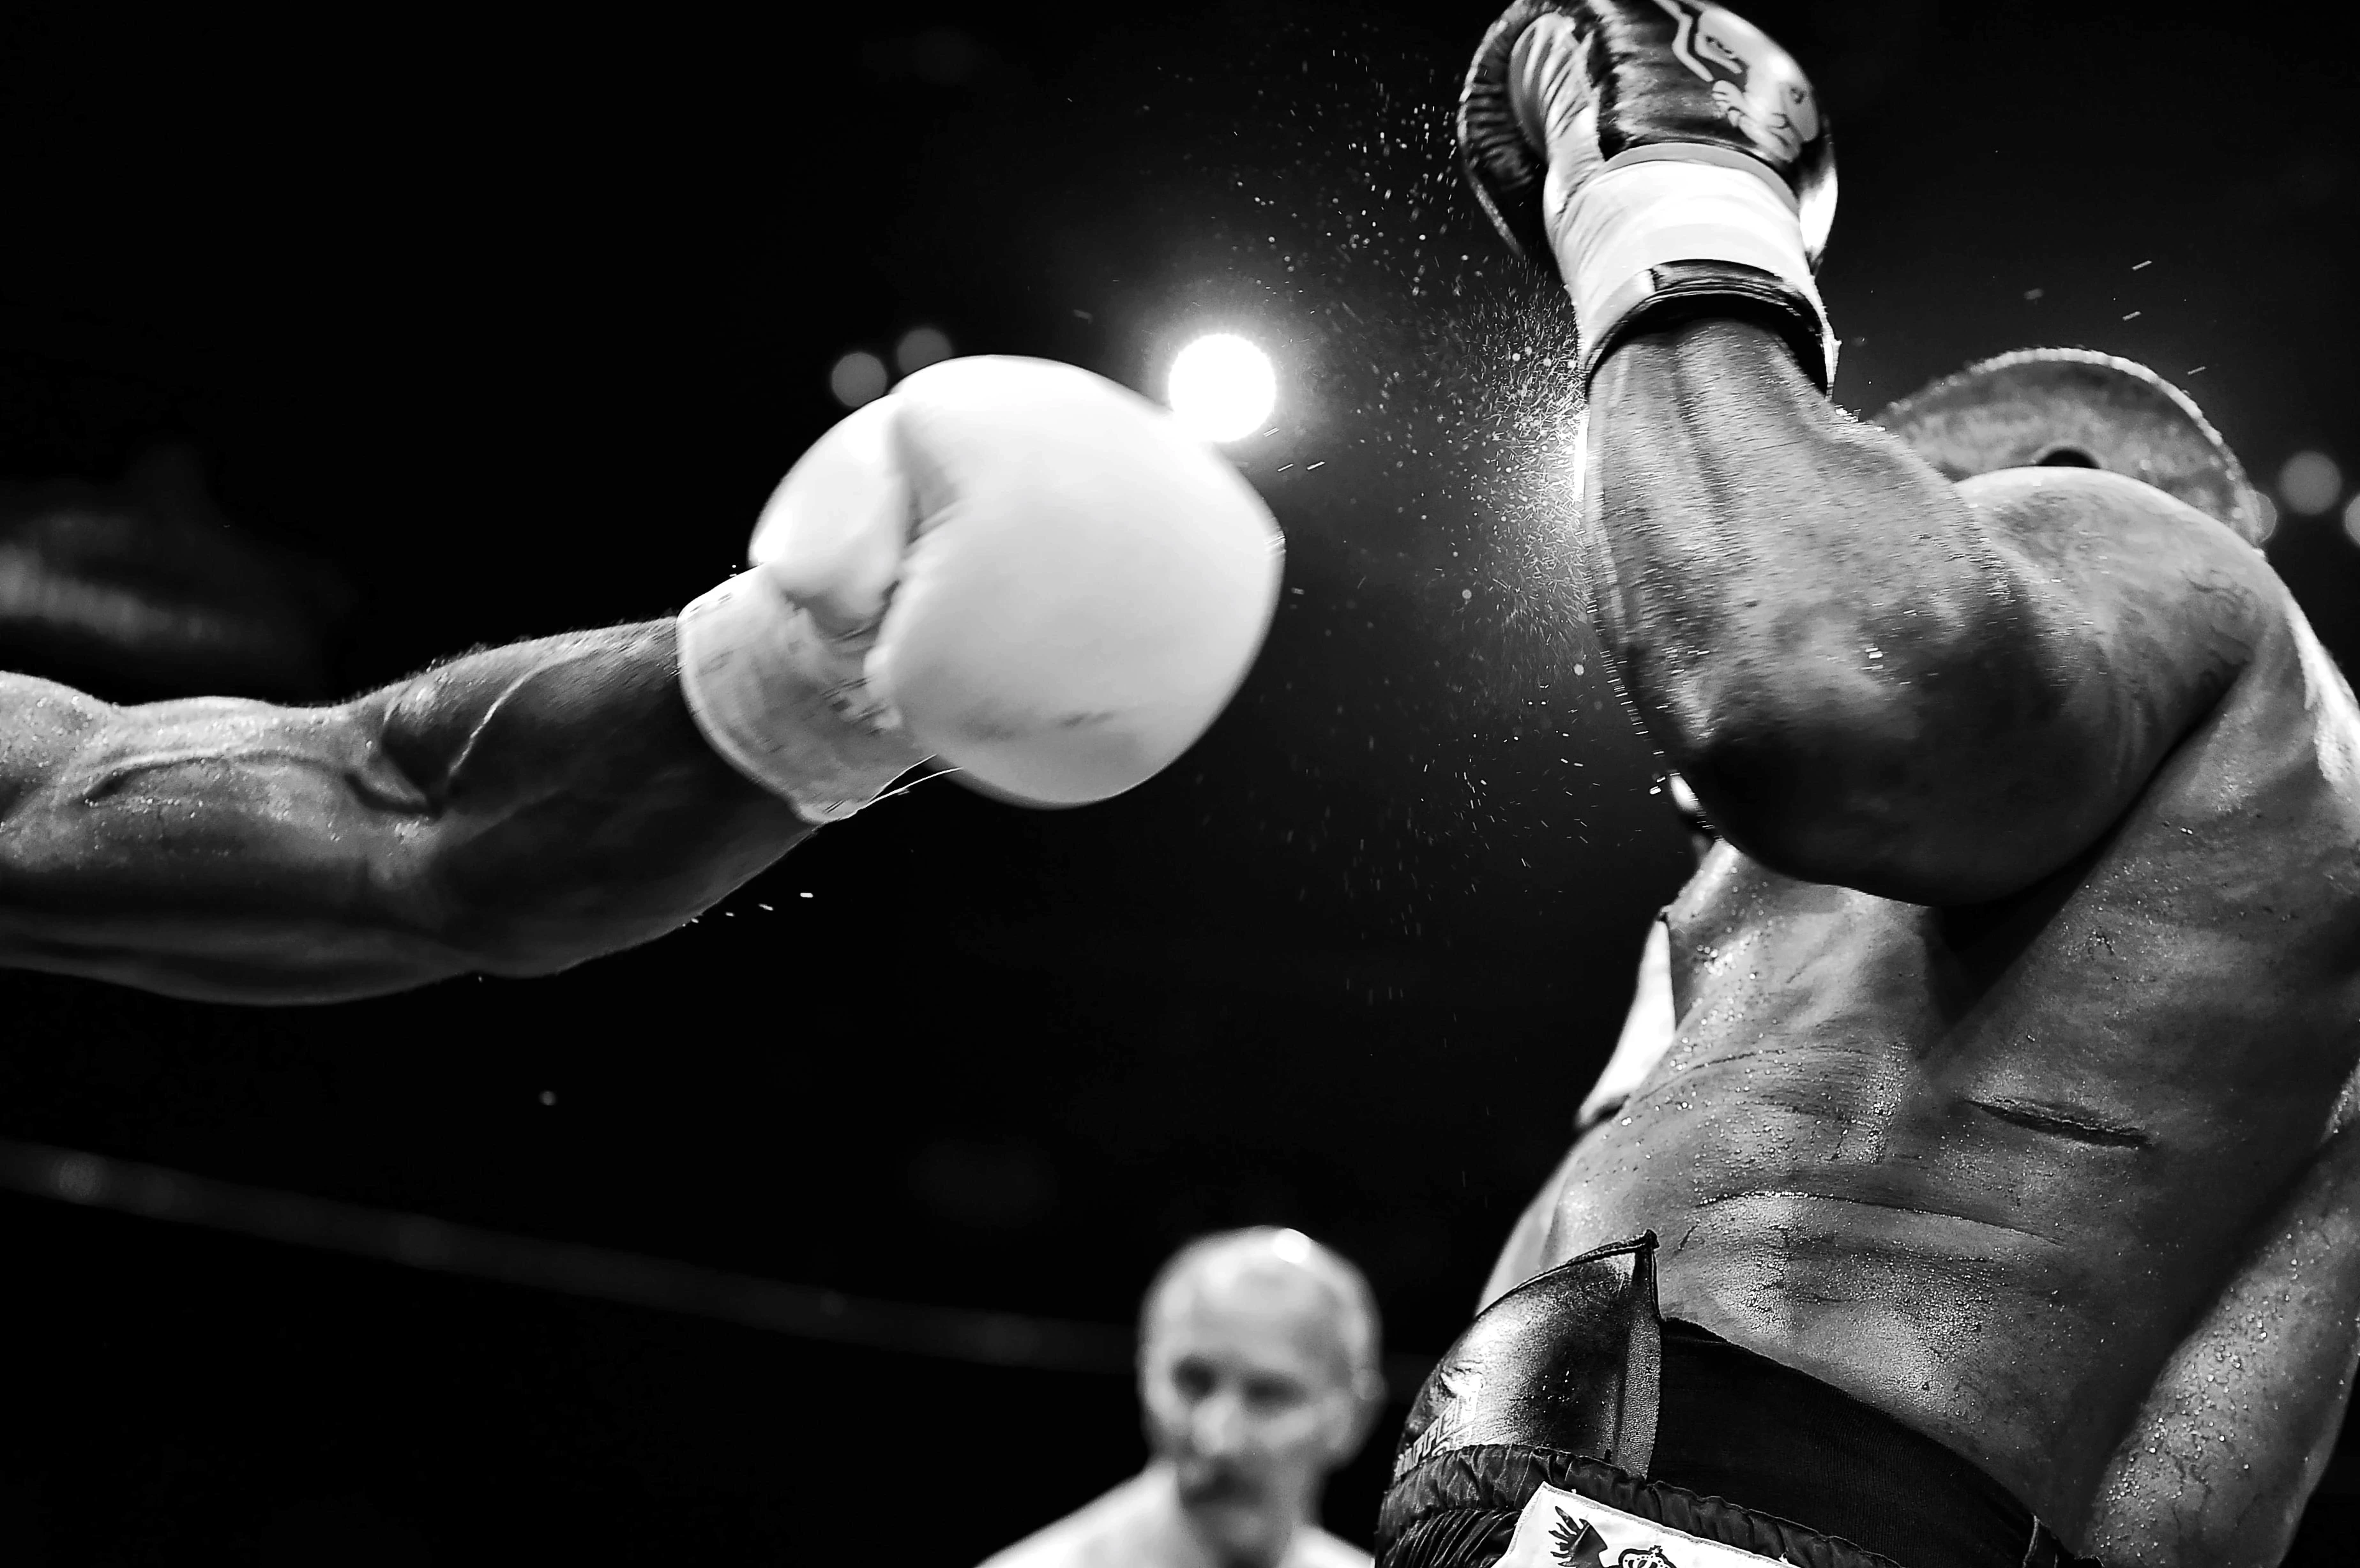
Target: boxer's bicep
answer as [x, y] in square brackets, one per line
[213, 848]
[514, 812]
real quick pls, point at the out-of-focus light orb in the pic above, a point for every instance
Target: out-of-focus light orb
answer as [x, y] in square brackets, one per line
[859, 378]
[2310, 484]
[1222, 388]
[920, 347]
[2352, 519]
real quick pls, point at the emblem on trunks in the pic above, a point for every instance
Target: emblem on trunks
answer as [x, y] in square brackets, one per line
[1574, 1543]
[1559, 1528]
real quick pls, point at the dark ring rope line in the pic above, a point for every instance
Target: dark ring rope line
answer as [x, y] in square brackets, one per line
[598, 1273]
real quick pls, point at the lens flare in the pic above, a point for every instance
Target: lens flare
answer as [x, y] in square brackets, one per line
[2310, 484]
[859, 378]
[1223, 387]
[920, 347]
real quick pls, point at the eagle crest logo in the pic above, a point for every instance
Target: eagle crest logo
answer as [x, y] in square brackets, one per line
[1575, 1543]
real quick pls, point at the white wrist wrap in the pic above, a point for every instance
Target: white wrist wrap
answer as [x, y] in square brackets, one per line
[783, 704]
[1661, 204]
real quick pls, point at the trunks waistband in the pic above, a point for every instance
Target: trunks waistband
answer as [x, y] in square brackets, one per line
[1572, 1382]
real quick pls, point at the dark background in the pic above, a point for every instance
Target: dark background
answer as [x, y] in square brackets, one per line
[512, 323]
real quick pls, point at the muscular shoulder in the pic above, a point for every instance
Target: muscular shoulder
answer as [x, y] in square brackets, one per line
[2113, 545]
[2156, 588]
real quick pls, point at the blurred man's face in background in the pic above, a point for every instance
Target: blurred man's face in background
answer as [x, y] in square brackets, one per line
[1250, 1396]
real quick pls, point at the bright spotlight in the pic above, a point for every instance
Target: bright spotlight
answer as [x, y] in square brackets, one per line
[1223, 387]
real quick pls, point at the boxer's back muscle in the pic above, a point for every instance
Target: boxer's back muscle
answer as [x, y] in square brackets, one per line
[1991, 1167]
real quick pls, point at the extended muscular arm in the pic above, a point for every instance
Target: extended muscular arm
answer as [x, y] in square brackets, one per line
[1872, 677]
[513, 811]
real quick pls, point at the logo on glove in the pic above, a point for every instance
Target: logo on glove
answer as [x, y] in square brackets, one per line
[1757, 89]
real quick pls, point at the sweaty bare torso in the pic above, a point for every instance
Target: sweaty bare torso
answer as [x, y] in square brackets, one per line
[2000, 1170]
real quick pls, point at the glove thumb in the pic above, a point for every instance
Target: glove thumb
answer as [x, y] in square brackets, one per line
[833, 535]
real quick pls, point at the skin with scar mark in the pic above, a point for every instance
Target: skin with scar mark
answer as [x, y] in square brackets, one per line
[2015, 1021]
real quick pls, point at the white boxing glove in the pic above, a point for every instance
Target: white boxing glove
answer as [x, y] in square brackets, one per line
[1017, 566]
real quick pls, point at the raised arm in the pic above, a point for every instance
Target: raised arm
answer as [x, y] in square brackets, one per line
[1873, 677]
[513, 812]
[1868, 676]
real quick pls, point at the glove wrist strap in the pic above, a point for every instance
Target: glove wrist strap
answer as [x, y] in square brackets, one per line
[1650, 228]
[784, 703]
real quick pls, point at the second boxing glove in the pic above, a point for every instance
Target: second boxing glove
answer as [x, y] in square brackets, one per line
[1663, 156]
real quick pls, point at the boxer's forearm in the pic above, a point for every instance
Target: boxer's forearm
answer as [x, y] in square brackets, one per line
[1870, 675]
[514, 812]
[577, 807]
[1775, 582]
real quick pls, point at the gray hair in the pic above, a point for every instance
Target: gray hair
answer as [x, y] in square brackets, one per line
[1359, 1330]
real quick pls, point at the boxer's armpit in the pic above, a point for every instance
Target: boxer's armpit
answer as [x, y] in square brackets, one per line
[514, 812]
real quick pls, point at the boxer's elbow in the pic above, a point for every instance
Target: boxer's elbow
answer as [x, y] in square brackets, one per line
[1900, 842]
[1944, 787]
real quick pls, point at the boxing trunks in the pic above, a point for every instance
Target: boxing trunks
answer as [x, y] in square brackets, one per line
[1571, 1426]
